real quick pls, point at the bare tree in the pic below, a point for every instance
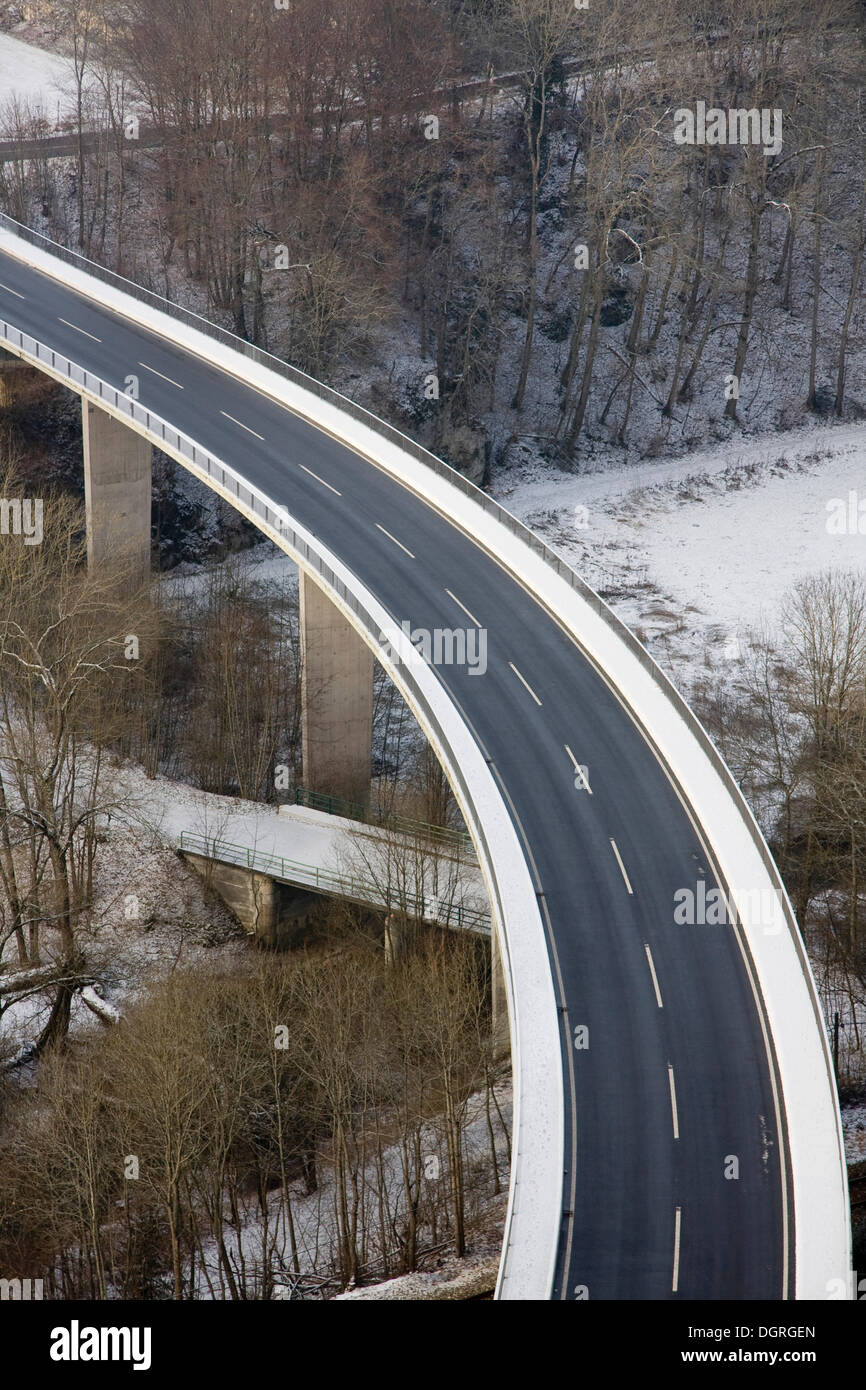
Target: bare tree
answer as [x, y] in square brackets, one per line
[64, 648]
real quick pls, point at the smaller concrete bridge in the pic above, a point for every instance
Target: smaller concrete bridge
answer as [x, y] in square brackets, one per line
[426, 876]
[375, 867]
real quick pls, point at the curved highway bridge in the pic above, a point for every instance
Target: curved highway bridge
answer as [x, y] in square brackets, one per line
[677, 1134]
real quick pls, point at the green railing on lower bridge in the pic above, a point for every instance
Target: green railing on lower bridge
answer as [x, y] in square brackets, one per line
[388, 897]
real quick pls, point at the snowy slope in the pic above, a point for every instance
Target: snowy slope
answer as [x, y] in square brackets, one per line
[37, 78]
[693, 552]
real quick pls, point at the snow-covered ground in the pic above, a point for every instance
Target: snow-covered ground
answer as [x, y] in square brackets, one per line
[854, 1120]
[264, 564]
[693, 553]
[36, 79]
[452, 1279]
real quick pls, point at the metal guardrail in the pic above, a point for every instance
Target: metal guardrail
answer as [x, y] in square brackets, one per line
[438, 835]
[426, 907]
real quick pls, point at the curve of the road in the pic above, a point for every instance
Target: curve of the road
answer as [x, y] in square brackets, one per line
[680, 1073]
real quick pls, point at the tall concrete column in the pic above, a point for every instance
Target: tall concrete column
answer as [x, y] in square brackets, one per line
[337, 700]
[117, 484]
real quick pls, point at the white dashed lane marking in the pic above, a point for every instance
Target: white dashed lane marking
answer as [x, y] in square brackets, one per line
[320, 480]
[395, 540]
[242, 425]
[83, 331]
[524, 682]
[621, 866]
[649, 956]
[463, 606]
[161, 374]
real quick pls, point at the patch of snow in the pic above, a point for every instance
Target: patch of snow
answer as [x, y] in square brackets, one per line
[36, 79]
[854, 1127]
[692, 553]
[454, 1280]
[99, 1006]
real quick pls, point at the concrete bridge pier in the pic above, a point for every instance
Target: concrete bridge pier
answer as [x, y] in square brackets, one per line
[336, 699]
[400, 934]
[276, 914]
[117, 488]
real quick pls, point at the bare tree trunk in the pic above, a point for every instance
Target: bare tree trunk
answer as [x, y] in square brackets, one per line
[755, 212]
[811, 399]
[852, 300]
